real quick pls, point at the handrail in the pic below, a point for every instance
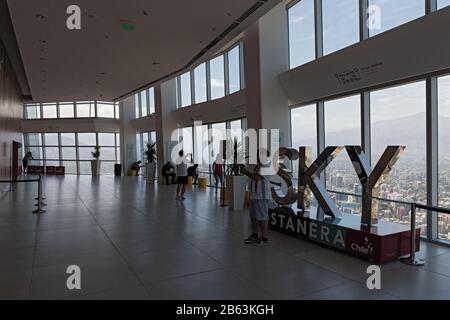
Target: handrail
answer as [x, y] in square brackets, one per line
[433, 208]
[411, 260]
[377, 198]
[39, 198]
[19, 181]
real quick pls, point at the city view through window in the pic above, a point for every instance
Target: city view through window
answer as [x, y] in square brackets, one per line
[398, 117]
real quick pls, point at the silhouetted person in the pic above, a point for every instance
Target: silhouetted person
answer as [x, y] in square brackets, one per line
[26, 160]
[218, 170]
[136, 166]
[168, 172]
[193, 172]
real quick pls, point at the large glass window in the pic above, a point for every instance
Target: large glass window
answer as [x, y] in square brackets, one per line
[87, 139]
[33, 111]
[340, 24]
[144, 109]
[151, 100]
[105, 110]
[444, 155]
[398, 118]
[217, 77]
[302, 48]
[393, 13]
[343, 127]
[73, 150]
[66, 110]
[218, 134]
[49, 111]
[85, 109]
[51, 139]
[234, 70]
[304, 128]
[68, 139]
[187, 139]
[200, 83]
[185, 90]
[304, 133]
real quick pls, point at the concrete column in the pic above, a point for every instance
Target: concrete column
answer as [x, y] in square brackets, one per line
[127, 133]
[265, 57]
[165, 104]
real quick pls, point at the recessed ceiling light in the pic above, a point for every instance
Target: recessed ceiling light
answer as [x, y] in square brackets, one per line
[145, 13]
[156, 63]
[40, 16]
[103, 73]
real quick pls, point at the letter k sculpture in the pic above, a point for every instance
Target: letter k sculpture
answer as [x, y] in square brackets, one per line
[309, 177]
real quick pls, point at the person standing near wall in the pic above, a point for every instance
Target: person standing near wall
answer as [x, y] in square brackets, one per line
[26, 161]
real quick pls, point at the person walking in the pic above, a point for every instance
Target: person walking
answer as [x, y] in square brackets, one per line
[182, 175]
[218, 170]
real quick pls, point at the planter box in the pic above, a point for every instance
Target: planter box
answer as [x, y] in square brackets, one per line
[150, 171]
[96, 167]
[236, 186]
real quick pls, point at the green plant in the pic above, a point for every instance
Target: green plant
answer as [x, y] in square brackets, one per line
[96, 152]
[150, 152]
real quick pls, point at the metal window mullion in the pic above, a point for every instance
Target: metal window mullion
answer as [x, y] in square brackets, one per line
[77, 155]
[226, 69]
[430, 6]
[192, 86]
[95, 111]
[366, 125]
[41, 111]
[241, 66]
[432, 119]
[208, 80]
[320, 112]
[59, 148]
[178, 92]
[147, 93]
[44, 149]
[363, 27]
[318, 27]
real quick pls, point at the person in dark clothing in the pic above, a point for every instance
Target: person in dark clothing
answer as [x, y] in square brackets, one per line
[193, 172]
[136, 166]
[167, 172]
[26, 160]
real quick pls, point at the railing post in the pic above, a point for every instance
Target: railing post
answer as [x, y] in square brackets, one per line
[412, 260]
[39, 197]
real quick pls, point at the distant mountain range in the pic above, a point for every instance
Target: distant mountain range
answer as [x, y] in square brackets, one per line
[409, 131]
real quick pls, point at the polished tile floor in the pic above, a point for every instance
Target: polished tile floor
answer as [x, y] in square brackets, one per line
[133, 241]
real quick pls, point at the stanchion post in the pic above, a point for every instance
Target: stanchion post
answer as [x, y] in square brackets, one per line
[412, 260]
[39, 204]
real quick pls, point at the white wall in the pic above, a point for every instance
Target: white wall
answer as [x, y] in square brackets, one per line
[71, 125]
[227, 108]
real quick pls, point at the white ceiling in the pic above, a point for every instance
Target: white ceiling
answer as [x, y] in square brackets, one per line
[102, 61]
